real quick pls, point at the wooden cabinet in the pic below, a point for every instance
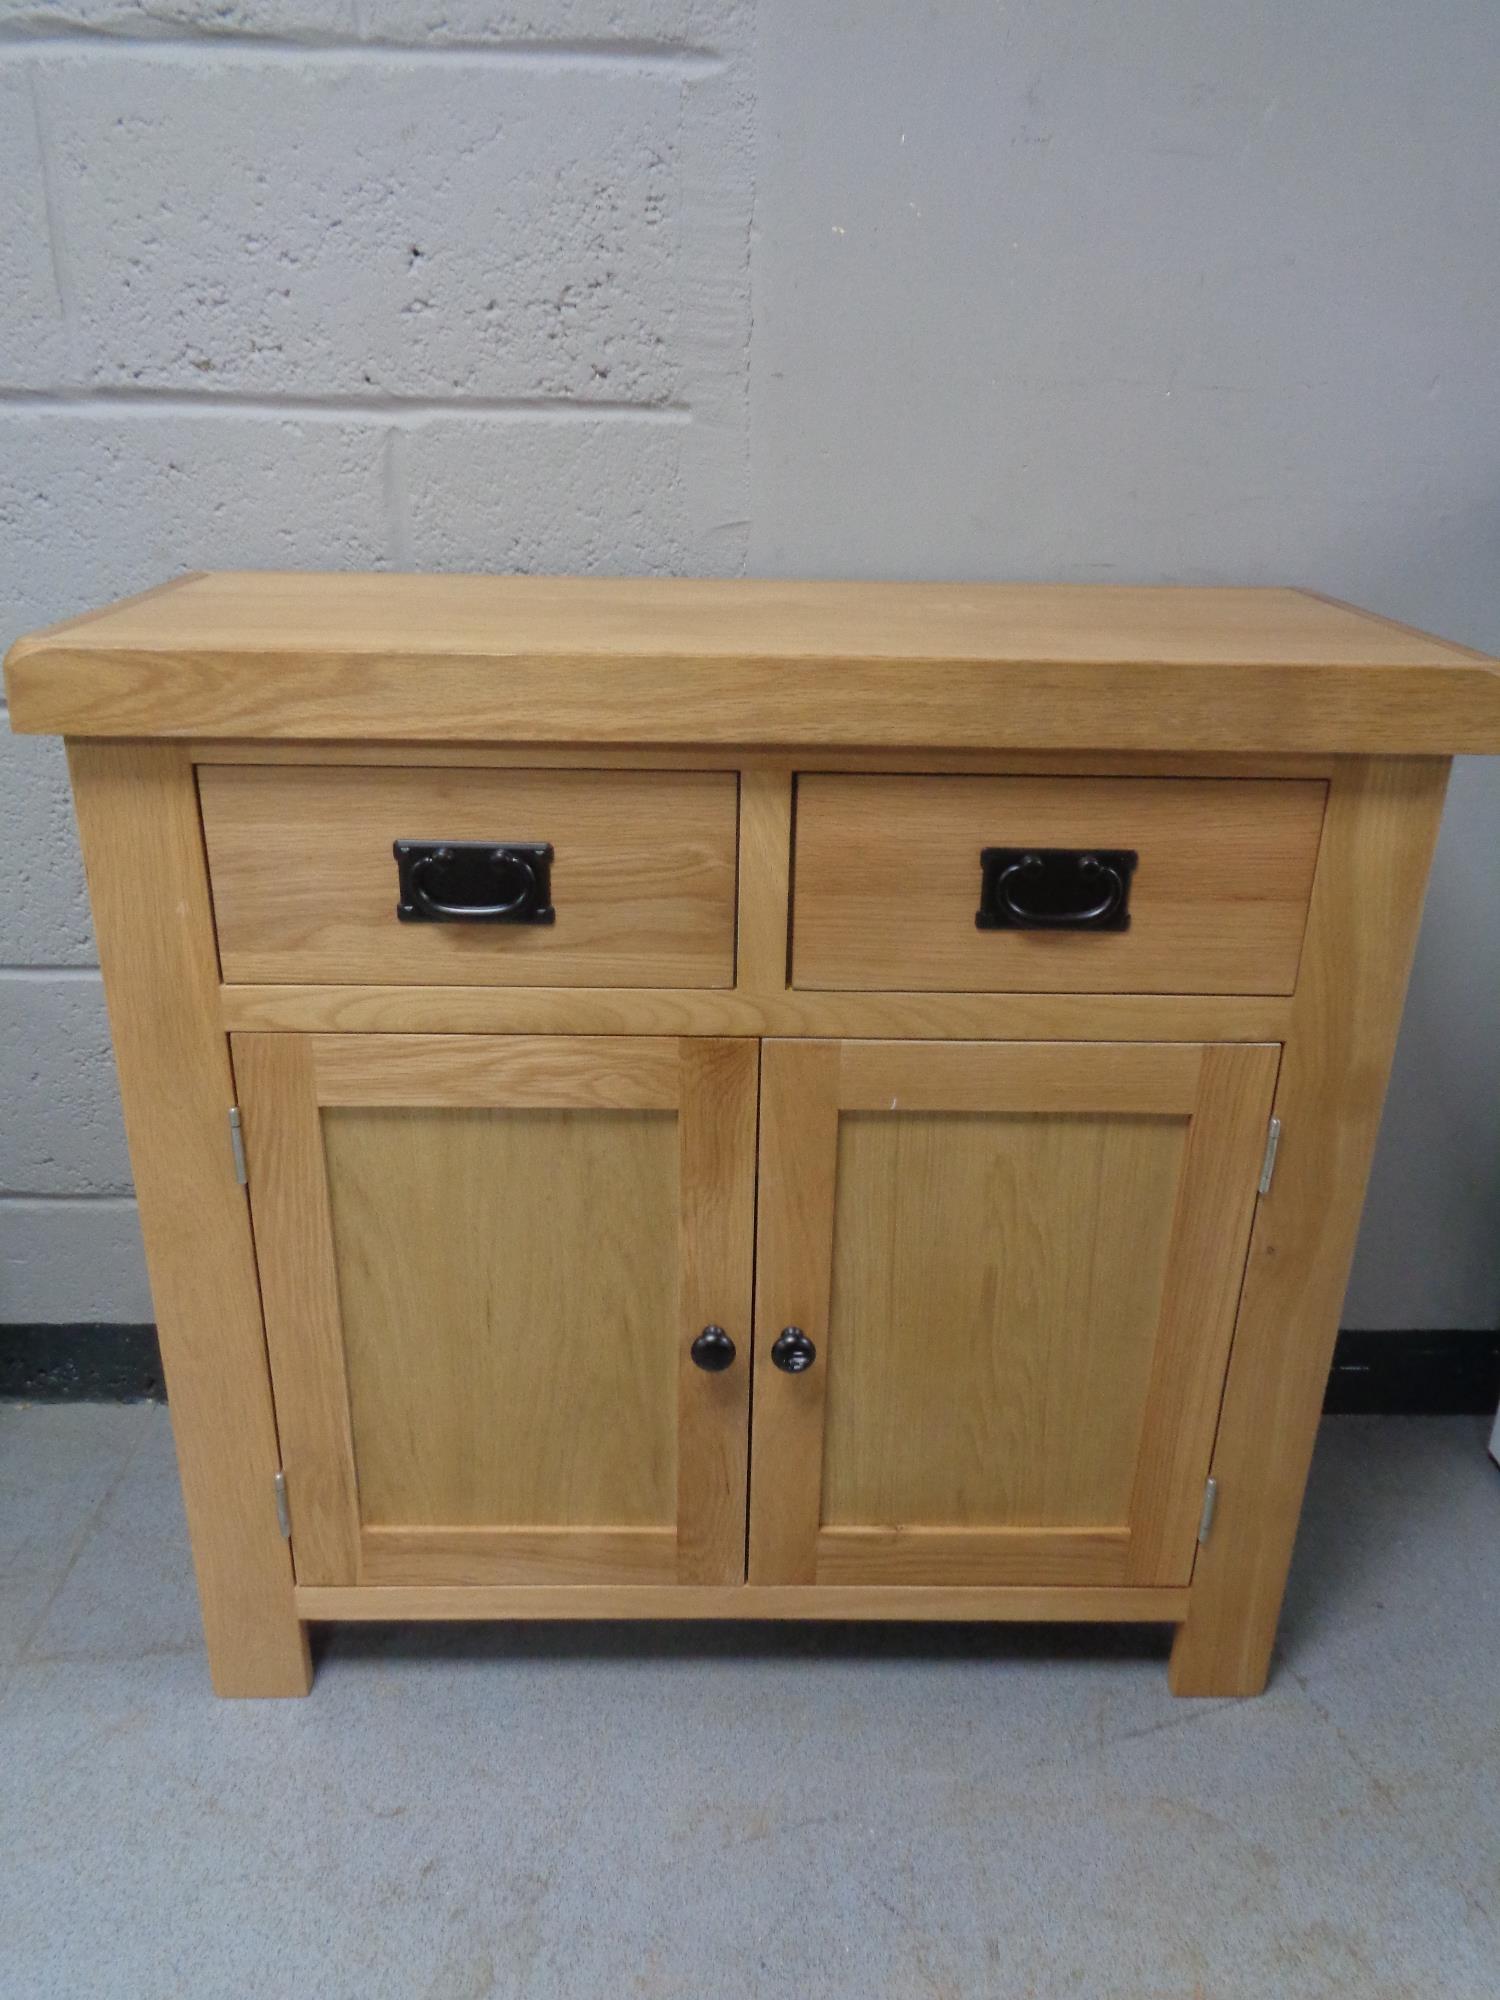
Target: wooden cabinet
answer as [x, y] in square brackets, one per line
[749, 1100]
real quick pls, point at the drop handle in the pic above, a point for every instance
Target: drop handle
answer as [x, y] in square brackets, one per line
[1055, 888]
[792, 1351]
[474, 882]
[713, 1351]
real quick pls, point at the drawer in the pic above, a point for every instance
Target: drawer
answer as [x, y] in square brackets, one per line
[888, 883]
[305, 884]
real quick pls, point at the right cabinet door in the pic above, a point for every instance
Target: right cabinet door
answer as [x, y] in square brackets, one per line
[996, 1284]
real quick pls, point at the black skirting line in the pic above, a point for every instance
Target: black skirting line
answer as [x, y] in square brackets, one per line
[1414, 1374]
[81, 1364]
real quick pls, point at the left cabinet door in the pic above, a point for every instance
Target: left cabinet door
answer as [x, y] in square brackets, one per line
[484, 1262]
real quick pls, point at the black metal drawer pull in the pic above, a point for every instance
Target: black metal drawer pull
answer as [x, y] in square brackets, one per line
[1055, 888]
[474, 882]
[792, 1351]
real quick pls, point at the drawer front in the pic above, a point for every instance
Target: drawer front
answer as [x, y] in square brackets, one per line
[888, 883]
[305, 888]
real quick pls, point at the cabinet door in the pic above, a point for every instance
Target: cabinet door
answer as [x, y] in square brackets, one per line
[483, 1263]
[1018, 1266]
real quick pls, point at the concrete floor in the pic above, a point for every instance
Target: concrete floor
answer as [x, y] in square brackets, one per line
[914, 1813]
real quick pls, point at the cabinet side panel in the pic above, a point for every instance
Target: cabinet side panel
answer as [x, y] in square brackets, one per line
[143, 852]
[1378, 837]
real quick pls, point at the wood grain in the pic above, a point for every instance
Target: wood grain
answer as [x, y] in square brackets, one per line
[560, 659]
[1010, 1017]
[1054, 1077]
[476, 1557]
[765, 898]
[1026, 1298]
[305, 887]
[509, 1283]
[793, 1269]
[581, 1073]
[937, 1558]
[691, 1601]
[997, 1286]
[363, 617]
[1205, 1269]
[752, 756]
[289, 1197]
[888, 882]
[483, 1264]
[143, 852]
[716, 1177]
[1381, 826]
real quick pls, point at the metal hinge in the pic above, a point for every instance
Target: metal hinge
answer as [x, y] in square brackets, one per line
[284, 1512]
[237, 1146]
[1210, 1502]
[1268, 1159]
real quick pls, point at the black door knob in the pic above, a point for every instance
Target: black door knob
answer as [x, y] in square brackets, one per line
[713, 1350]
[792, 1351]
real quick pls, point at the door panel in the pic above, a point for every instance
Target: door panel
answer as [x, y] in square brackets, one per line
[1019, 1265]
[454, 1431]
[1022, 1256]
[483, 1260]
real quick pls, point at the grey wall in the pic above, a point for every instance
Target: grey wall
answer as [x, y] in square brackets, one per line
[1172, 292]
[1175, 291]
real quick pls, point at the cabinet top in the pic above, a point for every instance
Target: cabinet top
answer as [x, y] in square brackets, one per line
[444, 659]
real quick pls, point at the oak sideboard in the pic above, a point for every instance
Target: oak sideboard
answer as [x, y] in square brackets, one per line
[667, 1099]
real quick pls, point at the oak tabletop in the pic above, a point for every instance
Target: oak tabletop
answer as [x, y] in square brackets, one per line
[335, 656]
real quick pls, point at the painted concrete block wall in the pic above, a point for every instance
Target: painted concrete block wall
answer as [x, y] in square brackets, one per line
[1167, 292]
[316, 284]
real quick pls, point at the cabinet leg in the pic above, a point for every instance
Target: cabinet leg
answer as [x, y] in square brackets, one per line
[1378, 834]
[227, 1459]
[1226, 1656]
[143, 851]
[271, 1662]
[257, 1645]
